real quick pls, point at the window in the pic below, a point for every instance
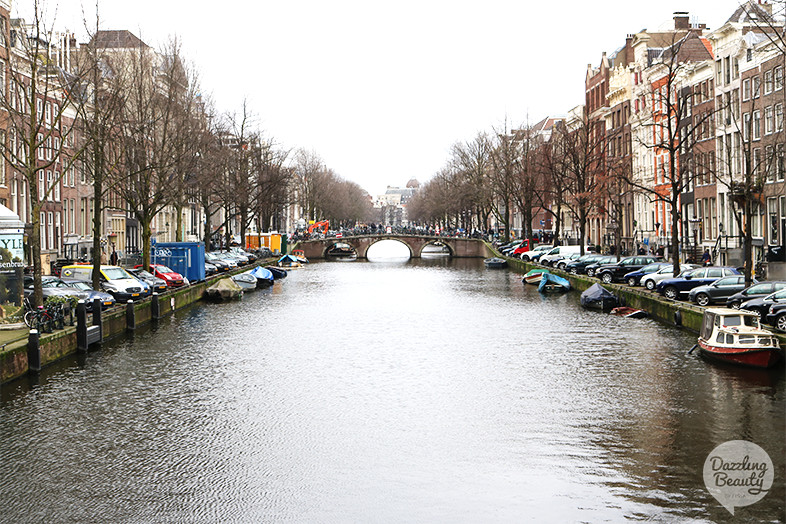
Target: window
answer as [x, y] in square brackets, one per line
[727, 69]
[42, 230]
[746, 89]
[756, 161]
[778, 80]
[769, 121]
[780, 162]
[756, 125]
[768, 82]
[39, 108]
[50, 231]
[41, 185]
[779, 117]
[49, 148]
[73, 215]
[772, 211]
[57, 186]
[65, 216]
[49, 185]
[769, 159]
[746, 126]
[756, 86]
[719, 70]
[40, 145]
[736, 73]
[14, 186]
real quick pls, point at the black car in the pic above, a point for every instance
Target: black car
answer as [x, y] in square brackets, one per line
[762, 305]
[614, 272]
[578, 266]
[776, 315]
[602, 261]
[758, 290]
[718, 291]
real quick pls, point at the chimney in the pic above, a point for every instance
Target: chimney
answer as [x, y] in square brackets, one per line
[681, 20]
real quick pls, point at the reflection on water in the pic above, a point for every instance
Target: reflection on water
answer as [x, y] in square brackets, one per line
[424, 390]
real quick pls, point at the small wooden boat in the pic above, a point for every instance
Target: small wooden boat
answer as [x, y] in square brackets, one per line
[551, 283]
[224, 289]
[736, 337]
[277, 272]
[300, 255]
[495, 263]
[598, 297]
[629, 312]
[534, 276]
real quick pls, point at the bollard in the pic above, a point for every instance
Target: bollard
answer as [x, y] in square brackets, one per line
[130, 318]
[97, 318]
[81, 326]
[33, 351]
[155, 307]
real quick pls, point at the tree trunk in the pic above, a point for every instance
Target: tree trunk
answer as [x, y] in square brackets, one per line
[179, 223]
[35, 248]
[96, 258]
[207, 229]
[146, 244]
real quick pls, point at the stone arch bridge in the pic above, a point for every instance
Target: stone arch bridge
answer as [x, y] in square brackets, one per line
[458, 247]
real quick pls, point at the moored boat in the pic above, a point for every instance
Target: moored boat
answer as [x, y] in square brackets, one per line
[534, 276]
[598, 297]
[277, 272]
[246, 281]
[224, 289]
[736, 337]
[495, 263]
[289, 261]
[629, 312]
[550, 283]
[262, 275]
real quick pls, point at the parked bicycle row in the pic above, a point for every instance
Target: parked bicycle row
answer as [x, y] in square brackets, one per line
[701, 285]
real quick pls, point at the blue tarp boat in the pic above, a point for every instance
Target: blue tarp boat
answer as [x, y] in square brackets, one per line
[551, 282]
[263, 275]
[289, 261]
[598, 297]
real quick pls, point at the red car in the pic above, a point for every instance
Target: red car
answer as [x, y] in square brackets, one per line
[172, 278]
[523, 248]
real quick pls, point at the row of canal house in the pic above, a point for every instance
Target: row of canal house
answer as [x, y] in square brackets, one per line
[66, 217]
[724, 94]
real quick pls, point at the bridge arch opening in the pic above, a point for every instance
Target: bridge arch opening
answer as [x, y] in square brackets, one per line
[388, 249]
[436, 249]
[340, 251]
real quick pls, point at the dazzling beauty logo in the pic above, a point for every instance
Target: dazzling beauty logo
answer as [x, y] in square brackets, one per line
[738, 473]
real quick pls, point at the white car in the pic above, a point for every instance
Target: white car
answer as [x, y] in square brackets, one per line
[540, 249]
[559, 253]
[651, 280]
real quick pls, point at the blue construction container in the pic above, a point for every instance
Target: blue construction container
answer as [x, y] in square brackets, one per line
[187, 258]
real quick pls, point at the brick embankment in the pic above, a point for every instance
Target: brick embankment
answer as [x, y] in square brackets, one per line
[61, 343]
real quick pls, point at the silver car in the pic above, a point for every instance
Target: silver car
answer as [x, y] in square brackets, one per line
[651, 280]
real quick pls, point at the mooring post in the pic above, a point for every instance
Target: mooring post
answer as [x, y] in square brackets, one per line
[97, 318]
[81, 326]
[130, 318]
[33, 351]
[155, 307]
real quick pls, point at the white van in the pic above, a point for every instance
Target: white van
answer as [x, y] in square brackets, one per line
[560, 252]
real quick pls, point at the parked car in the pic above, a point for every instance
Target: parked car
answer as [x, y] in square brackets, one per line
[615, 271]
[240, 259]
[761, 305]
[676, 288]
[559, 252]
[114, 280]
[537, 251]
[651, 280]
[171, 277]
[51, 286]
[158, 285]
[106, 299]
[242, 252]
[602, 261]
[563, 262]
[776, 315]
[634, 277]
[214, 259]
[718, 291]
[758, 290]
[579, 265]
[210, 269]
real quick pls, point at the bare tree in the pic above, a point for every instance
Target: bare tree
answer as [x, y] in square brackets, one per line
[43, 98]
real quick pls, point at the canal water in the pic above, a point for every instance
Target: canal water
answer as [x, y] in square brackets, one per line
[387, 391]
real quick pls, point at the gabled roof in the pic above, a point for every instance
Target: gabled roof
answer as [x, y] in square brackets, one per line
[752, 13]
[116, 39]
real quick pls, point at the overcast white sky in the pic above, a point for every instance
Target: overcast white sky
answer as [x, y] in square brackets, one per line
[381, 90]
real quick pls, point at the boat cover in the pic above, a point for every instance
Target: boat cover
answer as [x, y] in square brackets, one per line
[288, 258]
[597, 296]
[260, 272]
[550, 279]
